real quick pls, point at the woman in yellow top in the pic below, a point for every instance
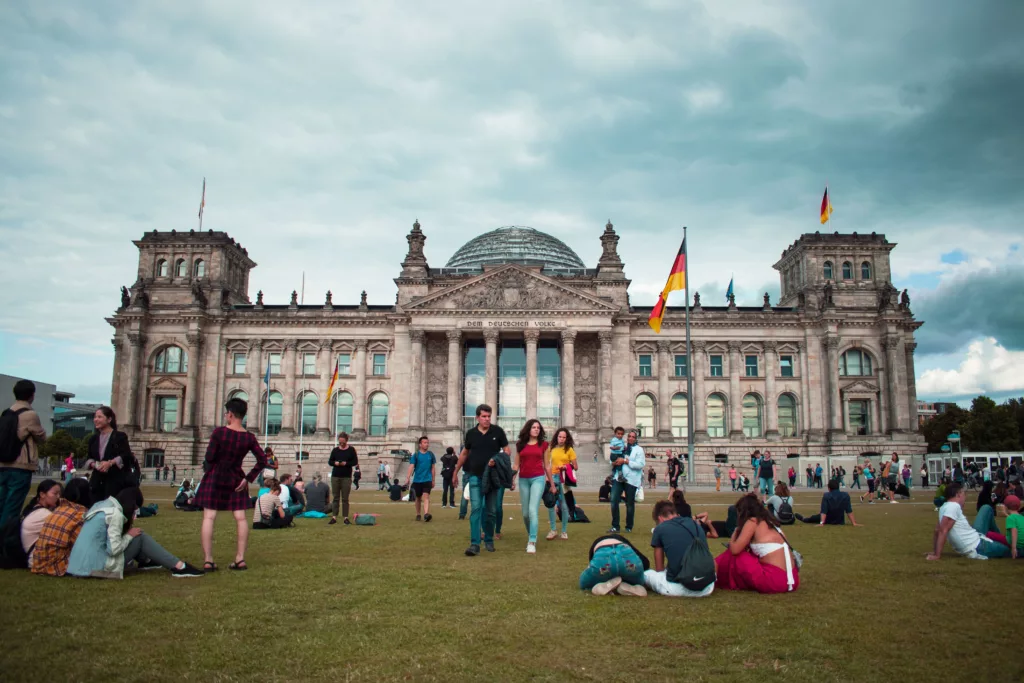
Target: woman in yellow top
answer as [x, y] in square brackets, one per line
[560, 455]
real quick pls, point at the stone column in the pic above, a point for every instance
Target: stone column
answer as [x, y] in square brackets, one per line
[253, 417]
[531, 337]
[491, 338]
[454, 374]
[835, 422]
[876, 427]
[288, 419]
[883, 403]
[115, 384]
[908, 349]
[326, 373]
[698, 366]
[891, 343]
[735, 397]
[664, 430]
[417, 338]
[136, 341]
[218, 389]
[194, 341]
[770, 405]
[569, 378]
[359, 394]
[805, 391]
[605, 383]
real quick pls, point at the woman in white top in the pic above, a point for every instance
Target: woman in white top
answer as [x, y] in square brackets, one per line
[758, 557]
[47, 498]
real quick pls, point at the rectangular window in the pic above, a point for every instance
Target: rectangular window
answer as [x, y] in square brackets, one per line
[167, 413]
[751, 364]
[722, 458]
[301, 455]
[645, 365]
[275, 364]
[716, 366]
[153, 457]
[308, 364]
[238, 364]
[859, 422]
[380, 365]
[786, 366]
[681, 365]
[344, 364]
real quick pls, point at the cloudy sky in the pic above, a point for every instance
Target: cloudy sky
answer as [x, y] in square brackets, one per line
[325, 129]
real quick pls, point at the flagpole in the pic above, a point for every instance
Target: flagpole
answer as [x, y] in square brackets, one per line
[266, 420]
[690, 477]
[302, 421]
[202, 205]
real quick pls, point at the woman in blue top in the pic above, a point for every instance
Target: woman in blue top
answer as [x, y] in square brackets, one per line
[869, 477]
[422, 474]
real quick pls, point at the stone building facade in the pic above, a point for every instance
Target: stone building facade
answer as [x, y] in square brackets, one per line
[516, 320]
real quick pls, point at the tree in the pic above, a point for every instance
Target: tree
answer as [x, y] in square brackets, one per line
[991, 427]
[58, 445]
[1016, 406]
[938, 428]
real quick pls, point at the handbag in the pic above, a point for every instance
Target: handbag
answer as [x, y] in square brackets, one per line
[465, 492]
[365, 519]
[639, 497]
[569, 475]
[550, 499]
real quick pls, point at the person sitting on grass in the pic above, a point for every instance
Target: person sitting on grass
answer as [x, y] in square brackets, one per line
[616, 566]
[185, 499]
[678, 500]
[969, 541]
[780, 498]
[37, 512]
[672, 539]
[292, 503]
[835, 506]
[1014, 526]
[604, 494]
[318, 495]
[395, 491]
[270, 513]
[758, 557]
[60, 530]
[108, 542]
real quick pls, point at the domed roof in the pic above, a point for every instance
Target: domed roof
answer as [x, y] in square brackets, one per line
[515, 244]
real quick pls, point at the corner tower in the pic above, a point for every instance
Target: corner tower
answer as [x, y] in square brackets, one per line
[845, 270]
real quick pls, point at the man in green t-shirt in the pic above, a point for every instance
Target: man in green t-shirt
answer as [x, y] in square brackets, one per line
[1014, 526]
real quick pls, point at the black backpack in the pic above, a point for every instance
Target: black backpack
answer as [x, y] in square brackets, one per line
[10, 444]
[697, 570]
[132, 472]
[785, 512]
[579, 516]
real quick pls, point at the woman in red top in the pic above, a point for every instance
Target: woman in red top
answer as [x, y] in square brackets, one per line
[533, 473]
[225, 486]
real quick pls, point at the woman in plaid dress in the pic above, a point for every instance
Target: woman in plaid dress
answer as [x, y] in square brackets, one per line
[225, 486]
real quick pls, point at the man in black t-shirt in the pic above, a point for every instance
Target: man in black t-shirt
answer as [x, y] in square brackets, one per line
[835, 507]
[342, 460]
[671, 540]
[448, 461]
[674, 470]
[482, 443]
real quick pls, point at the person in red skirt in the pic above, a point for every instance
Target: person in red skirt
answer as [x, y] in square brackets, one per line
[225, 486]
[758, 557]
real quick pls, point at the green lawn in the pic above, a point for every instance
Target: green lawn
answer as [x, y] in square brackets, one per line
[400, 601]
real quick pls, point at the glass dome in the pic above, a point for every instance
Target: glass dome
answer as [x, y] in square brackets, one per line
[516, 244]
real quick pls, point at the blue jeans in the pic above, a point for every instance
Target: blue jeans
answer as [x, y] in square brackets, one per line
[767, 485]
[477, 517]
[531, 491]
[611, 561]
[565, 509]
[618, 489]
[14, 486]
[984, 523]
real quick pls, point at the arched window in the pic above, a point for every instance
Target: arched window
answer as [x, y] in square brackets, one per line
[854, 363]
[679, 416]
[828, 270]
[645, 414]
[379, 414]
[275, 404]
[343, 414]
[200, 268]
[307, 419]
[181, 268]
[716, 415]
[787, 415]
[172, 360]
[752, 415]
[865, 271]
[162, 268]
[847, 270]
[245, 397]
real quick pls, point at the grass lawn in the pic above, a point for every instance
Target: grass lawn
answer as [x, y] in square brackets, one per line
[400, 601]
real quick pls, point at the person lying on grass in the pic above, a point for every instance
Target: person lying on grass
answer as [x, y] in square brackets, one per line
[969, 541]
[616, 566]
[672, 540]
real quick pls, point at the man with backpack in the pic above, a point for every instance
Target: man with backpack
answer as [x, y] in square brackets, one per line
[683, 564]
[835, 507]
[21, 434]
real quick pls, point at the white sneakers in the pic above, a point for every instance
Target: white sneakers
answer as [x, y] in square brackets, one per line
[564, 536]
[606, 587]
[552, 535]
[531, 548]
[630, 589]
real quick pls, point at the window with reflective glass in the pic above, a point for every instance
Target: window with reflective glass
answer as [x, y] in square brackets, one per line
[167, 413]
[181, 268]
[680, 418]
[275, 407]
[162, 268]
[344, 364]
[275, 363]
[200, 268]
[645, 365]
[549, 385]
[379, 414]
[343, 417]
[854, 363]
[238, 364]
[473, 372]
[827, 270]
[786, 366]
[380, 364]
[645, 414]
[511, 386]
[681, 365]
[752, 416]
[787, 415]
[865, 271]
[309, 364]
[751, 366]
[847, 270]
[716, 415]
[309, 405]
[171, 360]
[859, 421]
[716, 366]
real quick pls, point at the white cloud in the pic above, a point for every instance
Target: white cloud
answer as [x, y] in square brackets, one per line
[988, 368]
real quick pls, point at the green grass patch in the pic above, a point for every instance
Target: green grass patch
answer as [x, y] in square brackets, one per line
[400, 601]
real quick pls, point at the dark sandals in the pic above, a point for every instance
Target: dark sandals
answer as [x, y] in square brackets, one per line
[209, 567]
[238, 566]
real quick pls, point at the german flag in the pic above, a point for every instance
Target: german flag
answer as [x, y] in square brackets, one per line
[826, 207]
[330, 388]
[676, 281]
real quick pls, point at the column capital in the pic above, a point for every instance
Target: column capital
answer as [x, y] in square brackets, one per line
[568, 336]
[663, 345]
[326, 343]
[417, 335]
[891, 341]
[832, 342]
[771, 345]
[223, 344]
[454, 336]
[136, 338]
[290, 344]
[531, 336]
[734, 345]
[910, 347]
[699, 345]
[605, 336]
[193, 339]
[492, 336]
[360, 344]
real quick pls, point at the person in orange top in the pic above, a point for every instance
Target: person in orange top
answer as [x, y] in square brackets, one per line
[60, 530]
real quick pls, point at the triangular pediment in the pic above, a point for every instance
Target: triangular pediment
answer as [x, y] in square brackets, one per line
[860, 387]
[511, 288]
[167, 384]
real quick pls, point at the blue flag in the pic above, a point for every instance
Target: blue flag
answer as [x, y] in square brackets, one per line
[728, 292]
[266, 377]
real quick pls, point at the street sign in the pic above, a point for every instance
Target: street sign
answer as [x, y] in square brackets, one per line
[953, 437]
[945, 448]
